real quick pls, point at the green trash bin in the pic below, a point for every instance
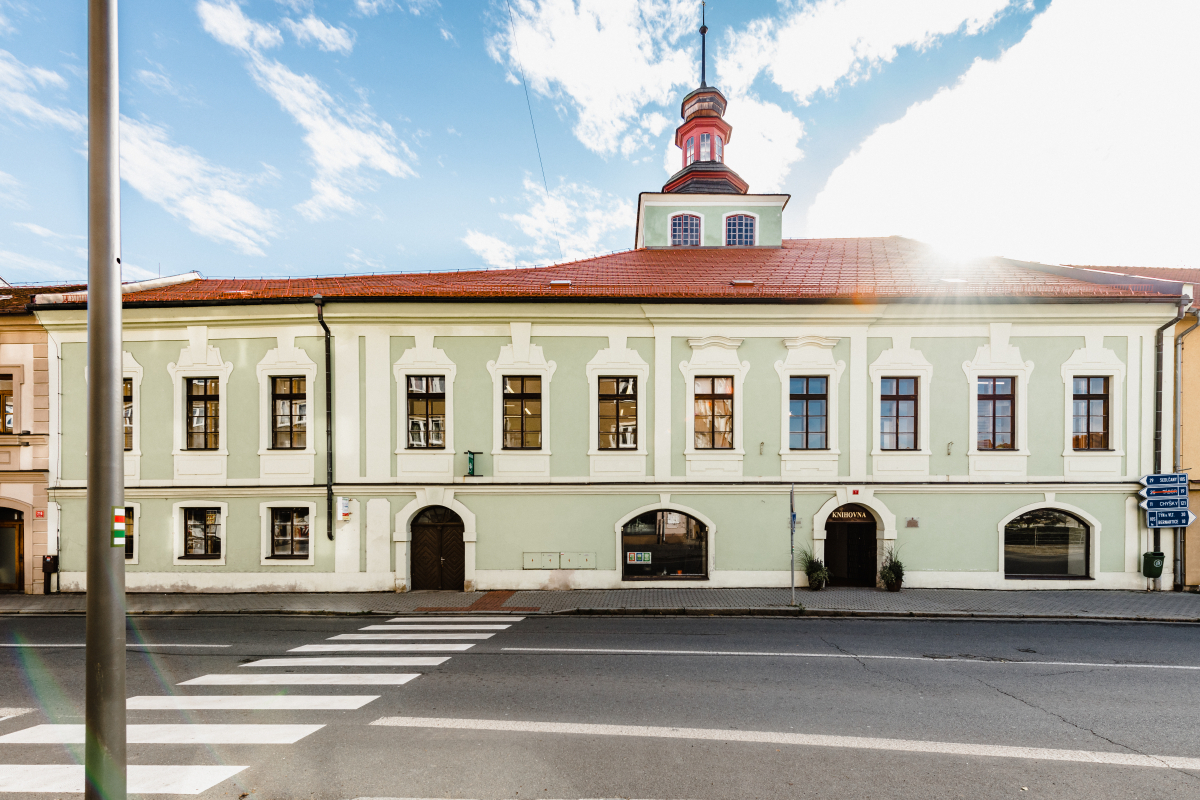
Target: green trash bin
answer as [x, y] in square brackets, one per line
[1152, 564]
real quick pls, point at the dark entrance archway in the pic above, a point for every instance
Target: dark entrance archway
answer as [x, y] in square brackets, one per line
[12, 550]
[851, 547]
[438, 553]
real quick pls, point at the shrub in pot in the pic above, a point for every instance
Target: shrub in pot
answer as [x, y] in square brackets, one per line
[814, 568]
[891, 574]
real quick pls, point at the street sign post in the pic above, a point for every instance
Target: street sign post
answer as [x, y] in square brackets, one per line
[1165, 479]
[792, 524]
[1166, 500]
[1162, 504]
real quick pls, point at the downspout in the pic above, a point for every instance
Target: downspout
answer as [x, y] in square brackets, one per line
[1179, 532]
[1158, 403]
[320, 304]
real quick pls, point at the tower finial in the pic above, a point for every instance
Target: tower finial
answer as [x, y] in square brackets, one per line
[703, 52]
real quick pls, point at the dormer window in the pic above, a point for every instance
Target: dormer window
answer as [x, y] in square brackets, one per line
[739, 230]
[706, 147]
[720, 150]
[685, 230]
[689, 152]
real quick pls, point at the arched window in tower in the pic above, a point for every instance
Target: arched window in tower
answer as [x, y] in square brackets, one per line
[705, 147]
[720, 150]
[739, 230]
[689, 152]
[685, 230]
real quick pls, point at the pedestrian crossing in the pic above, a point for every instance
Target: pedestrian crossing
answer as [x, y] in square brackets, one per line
[431, 635]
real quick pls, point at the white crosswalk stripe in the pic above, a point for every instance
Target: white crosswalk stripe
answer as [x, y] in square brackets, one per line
[434, 627]
[352, 661]
[142, 778]
[301, 679]
[413, 636]
[194, 733]
[250, 702]
[463, 618]
[382, 648]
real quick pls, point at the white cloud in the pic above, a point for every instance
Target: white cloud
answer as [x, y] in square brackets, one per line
[343, 142]
[10, 191]
[156, 81]
[327, 37]
[370, 8]
[211, 199]
[18, 268]
[45, 233]
[18, 85]
[1076, 146]
[224, 20]
[573, 217]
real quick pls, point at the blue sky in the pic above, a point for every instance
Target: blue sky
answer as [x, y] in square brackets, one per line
[299, 137]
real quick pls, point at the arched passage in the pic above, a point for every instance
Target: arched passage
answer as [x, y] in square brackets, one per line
[12, 550]
[851, 546]
[438, 550]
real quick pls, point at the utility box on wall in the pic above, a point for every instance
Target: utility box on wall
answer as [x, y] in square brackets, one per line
[559, 561]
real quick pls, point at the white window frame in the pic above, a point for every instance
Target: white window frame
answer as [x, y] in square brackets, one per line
[810, 356]
[617, 360]
[684, 213]
[137, 531]
[420, 463]
[199, 360]
[901, 361]
[714, 356]
[264, 517]
[285, 466]
[131, 369]
[998, 359]
[520, 358]
[179, 537]
[725, 229]
[1097, 361]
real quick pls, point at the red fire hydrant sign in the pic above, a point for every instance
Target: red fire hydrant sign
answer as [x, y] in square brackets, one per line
[118, 527]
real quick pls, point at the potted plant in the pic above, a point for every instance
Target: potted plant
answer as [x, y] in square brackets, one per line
[815, 569]
[891, 574]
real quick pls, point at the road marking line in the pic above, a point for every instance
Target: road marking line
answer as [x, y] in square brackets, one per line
[925, 659]
[143, 779]
[434, 627]
[132, 644]
[170, 734]
[352, 661]
[300, 679]
[9, 713]
[803, 739]
[463, 618]
[412, 636]
[276, 702]
[382, 648]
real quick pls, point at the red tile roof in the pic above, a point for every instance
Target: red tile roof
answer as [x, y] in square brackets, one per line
[15, 299]
[810, 270]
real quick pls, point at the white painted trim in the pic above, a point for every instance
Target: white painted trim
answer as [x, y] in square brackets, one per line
[617, 360]
[810, 356]
[225, 582]
[520, 358]
[714, 356]
[178, 533]
[746, 213]
[662, 406]
[901, 361]
[131, 369]
[137, 530]
[264, 518]
[346, 424]
[998, 359]
[199, 360]
[419, 463]
[378, 405]
[433, 496]
[685, 212]
[1094, 528]
[859, 404]
[932, 579]
[1095, 360]
[664, 504]
[286, 466]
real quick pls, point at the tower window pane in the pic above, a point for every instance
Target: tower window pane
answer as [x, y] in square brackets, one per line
[705, 147]
[685, 231]
[689, 152]
[739, 230]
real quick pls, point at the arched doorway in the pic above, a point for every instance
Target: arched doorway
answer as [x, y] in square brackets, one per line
[664, 545]
[12, 550]
[851, 546]
[438, 553]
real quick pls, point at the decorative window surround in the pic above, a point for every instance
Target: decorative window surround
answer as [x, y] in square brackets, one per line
[421, 463]
[725, 222]
[131, 369]
[520, 358]
[714, 355]
[809, 356]
[198, 360]
[998, 359]
[901, 361]
[137, 527]
[1095, 360]
[433, 496]
[283, 466]
[687, 213]
[617, 360]
[664, 504]
[178, 536]
[264, 516]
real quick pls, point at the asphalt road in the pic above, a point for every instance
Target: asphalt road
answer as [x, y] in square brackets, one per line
[755, 709]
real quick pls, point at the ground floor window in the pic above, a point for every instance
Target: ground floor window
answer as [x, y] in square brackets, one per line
[1046, 543]
[289, 533]
[202, 532]
[664, 545]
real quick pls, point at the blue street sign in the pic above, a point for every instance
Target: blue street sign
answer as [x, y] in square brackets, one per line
[1165, 479]
[1163, 503]
[1176, 518]
[1164, 491]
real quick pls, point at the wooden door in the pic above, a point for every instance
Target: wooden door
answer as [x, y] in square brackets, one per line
[438, 552]
[12, 557]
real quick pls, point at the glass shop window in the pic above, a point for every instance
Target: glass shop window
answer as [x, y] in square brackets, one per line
[1046, 543]
[664, 545]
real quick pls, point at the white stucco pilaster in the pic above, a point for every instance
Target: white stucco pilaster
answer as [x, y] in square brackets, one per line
[859, 404]
[379, 535]
[378, 406]
[662, 405]
[345, 405]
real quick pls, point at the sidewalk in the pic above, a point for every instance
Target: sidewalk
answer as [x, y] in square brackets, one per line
[953, 603]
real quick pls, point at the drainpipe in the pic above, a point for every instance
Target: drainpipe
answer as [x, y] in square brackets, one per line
[1158, 403]
[320, 304]
[1179, 532]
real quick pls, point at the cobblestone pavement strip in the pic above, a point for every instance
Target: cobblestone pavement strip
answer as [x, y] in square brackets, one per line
[1077, 604]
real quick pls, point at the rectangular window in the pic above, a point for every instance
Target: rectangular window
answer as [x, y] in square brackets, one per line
[689, 151]
[522, 412]
[7, 405]
[720, 150]
[1090, 424]
[618, 413]
[427, 411]
[289, 533]
[898, 414]
[203, 413]
[128, 412]
[129, 533]
[996, 404]
[289, 404]
[705, 147]
[809, 412]
[202, 533]
[714, 413]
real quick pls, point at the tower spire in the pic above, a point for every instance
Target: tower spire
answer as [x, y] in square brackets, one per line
[703, 51]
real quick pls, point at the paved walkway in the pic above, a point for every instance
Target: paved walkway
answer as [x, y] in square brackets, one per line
[1078, 604]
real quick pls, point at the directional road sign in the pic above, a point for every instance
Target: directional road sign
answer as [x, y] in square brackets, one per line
[1176, 518]
[1165, 479]
[1163, 503]
[1164, 491]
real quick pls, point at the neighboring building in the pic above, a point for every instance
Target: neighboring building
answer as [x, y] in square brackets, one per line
[28, 523]
[636, 420]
